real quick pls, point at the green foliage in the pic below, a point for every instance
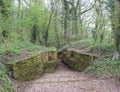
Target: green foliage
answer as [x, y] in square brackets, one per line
[30, 46]
[5, 82]
[51, 49]
[113, 67]
[105, 66]
[110, 7]
[17, 48]
[87, 42]
[97, 67]
[36, 22]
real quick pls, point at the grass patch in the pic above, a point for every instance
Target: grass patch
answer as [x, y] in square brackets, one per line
[51, 49]
[113, 67]
[91, 43]
[97, 68]
[88, 42]
[105, 66]
[30, 46]
[16, 48]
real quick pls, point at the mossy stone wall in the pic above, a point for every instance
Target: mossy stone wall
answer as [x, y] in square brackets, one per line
[76, 60]
[33, 66]
[49, 66]
[27, 69]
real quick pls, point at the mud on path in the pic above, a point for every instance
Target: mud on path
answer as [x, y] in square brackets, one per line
[66, 80]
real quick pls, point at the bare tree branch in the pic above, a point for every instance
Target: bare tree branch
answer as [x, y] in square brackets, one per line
[86, 10]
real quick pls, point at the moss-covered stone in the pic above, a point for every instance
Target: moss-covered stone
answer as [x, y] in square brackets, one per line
[27, 69]
[44, 56]
[33, 66]
[48, 55]
[52, 55]
[49, 66]
[76, 60]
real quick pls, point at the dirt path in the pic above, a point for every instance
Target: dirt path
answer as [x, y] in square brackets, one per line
[66, 80]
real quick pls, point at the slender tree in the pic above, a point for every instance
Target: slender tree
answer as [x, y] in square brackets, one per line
[116, 29]
[5, 5]
[56, 22]
[49, 22]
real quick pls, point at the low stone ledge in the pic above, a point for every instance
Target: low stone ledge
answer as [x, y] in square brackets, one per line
[77, 60]
[26, 69]
[33, 66]
[49, 66]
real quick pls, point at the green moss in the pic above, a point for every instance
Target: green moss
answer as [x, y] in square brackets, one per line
[51, 49]
[44, 56]
[33, 66]
[49, 70]
[76, 61]
[49, 66]
[27, 69]
[50, 63]
[52, 55]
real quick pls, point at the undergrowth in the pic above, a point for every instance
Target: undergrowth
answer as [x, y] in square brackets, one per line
[16, 48]
[5, 82]
[89, 43]
[106, 66]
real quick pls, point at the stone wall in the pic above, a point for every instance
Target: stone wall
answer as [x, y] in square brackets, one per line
[33, 66]
[77, 60]
[49, 62]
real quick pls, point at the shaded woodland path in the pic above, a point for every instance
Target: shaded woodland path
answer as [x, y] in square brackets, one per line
[66, 80]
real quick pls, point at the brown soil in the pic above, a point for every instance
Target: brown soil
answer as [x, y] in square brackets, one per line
[13, 57]
[66, 80]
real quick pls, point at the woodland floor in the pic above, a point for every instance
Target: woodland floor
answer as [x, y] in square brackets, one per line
[66, 80]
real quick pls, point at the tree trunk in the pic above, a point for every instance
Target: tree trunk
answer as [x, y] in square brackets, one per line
[55, 25]
[116, 29]
[99, 20]
[65, 5]
[5, 14]
[49, 22]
